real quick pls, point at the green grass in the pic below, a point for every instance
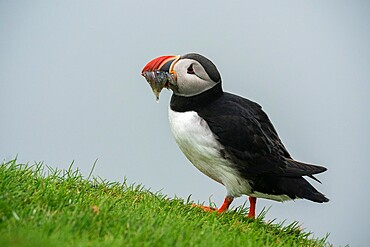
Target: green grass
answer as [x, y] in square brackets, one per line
[41, 206]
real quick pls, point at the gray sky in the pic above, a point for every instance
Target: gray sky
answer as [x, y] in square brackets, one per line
[71, 89]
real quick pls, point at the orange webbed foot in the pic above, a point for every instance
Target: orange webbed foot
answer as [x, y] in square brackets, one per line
[205, 208]
[223, 208]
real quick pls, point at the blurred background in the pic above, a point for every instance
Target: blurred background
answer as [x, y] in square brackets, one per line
[71, 90]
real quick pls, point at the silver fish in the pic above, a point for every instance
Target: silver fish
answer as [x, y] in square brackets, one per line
[158, 80]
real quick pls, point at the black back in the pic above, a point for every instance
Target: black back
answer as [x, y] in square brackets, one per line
[252, 143]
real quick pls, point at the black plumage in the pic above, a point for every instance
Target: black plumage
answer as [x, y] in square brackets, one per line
[252, 143]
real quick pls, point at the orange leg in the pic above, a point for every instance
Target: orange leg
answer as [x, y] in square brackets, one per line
[252, 207]
[228, 200]
[226, 204]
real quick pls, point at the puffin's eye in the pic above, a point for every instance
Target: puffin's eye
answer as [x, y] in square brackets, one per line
[190, 70]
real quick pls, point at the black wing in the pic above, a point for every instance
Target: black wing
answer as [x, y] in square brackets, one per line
[250, 139]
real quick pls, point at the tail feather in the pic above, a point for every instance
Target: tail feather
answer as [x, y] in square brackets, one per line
[293, 187]
[301, 188]
[296, 168]
[314, 178]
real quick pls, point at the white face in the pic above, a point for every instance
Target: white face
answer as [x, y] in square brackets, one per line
[192, 79]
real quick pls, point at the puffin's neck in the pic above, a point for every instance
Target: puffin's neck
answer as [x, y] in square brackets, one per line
[191, 103]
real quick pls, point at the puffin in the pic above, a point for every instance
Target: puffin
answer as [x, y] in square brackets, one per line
[227, 137]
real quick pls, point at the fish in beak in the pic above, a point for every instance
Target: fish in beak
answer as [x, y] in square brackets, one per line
[159, 74]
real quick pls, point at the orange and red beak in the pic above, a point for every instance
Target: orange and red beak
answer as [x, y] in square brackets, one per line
[162, 63]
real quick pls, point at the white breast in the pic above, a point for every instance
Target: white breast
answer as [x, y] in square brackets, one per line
[201, 147]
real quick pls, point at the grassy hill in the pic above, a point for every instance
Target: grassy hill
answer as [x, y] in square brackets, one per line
[41, 206]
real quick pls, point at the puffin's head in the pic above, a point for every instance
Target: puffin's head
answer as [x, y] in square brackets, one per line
[191, 74]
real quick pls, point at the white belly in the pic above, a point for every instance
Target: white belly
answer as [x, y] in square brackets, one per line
[201, 147]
